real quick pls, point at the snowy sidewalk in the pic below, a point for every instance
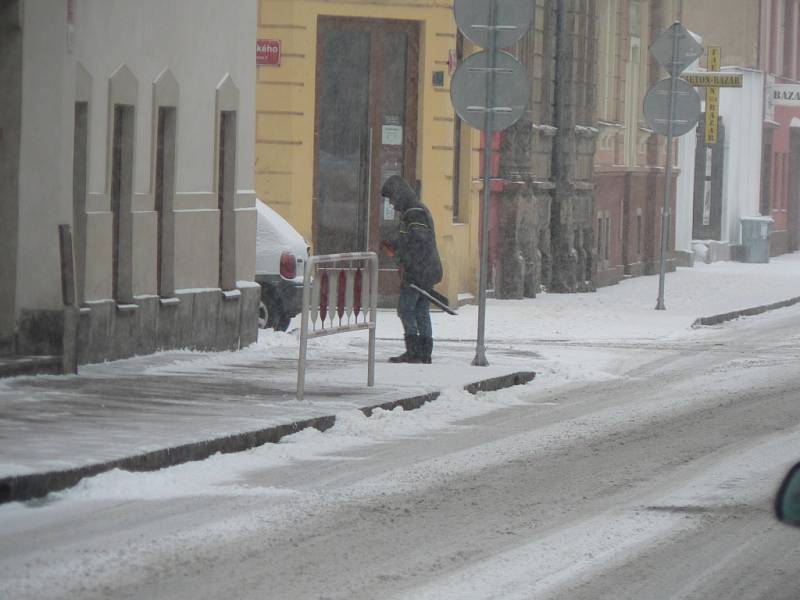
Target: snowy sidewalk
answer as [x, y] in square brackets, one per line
[116, 410]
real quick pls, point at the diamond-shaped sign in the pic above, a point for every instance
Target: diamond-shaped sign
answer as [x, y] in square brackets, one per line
[688, 50]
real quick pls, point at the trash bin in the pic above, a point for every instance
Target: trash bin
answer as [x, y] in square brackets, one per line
[756, 235]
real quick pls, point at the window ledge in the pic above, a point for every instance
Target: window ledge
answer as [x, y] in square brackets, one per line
[127, 308]
[231, 295]
[170, 301]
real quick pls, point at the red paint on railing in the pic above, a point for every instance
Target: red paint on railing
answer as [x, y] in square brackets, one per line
[323, 297]
[357, 294]
[342, 289]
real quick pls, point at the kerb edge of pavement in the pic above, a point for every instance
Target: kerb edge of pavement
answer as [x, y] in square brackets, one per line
[19, 488]
[745, 312]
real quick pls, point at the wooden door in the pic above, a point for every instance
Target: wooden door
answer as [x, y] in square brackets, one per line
[366, 130]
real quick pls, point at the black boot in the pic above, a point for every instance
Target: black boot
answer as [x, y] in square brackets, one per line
[426, 349]
[411, 355]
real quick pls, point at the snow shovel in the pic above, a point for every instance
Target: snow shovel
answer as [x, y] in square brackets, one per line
[435, 297]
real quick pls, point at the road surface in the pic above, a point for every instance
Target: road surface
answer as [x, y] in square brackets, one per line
[654, 482]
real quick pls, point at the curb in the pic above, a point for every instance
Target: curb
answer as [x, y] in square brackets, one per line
[36, 485]
[746, 312]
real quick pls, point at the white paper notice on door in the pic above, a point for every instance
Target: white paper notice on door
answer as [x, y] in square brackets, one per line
[388, 211]
[392, 135]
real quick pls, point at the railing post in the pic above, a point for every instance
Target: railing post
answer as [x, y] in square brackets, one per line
[336, 304]
[373, 317]
[310, 268]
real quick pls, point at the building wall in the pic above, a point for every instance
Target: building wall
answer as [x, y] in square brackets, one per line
[738, 36]
[780, 59]
[103, 51]
[629, 163]
[743, 152]
[732, 24]
[10, 113]
[285, 123]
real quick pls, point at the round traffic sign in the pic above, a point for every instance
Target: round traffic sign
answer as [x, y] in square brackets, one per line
[512, 19]
[468, 90]
[685, 110]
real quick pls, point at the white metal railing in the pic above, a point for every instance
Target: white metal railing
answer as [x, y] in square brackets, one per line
[340, 294]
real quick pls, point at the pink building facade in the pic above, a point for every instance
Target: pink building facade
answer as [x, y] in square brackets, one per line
[780, 59]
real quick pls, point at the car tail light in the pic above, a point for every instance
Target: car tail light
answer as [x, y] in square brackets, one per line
[288, 265]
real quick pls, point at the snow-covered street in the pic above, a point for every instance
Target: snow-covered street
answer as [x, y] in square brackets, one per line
[639, 464]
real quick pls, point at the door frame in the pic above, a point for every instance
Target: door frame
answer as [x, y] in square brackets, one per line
[374, 26]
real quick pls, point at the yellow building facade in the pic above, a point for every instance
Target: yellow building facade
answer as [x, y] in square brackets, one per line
[351, 93]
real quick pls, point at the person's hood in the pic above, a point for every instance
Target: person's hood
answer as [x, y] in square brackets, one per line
[399, 193]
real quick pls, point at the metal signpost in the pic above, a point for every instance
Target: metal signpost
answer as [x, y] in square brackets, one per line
[672, 108]
[490, 90]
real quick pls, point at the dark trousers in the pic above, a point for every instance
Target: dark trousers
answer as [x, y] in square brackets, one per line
[414, 311]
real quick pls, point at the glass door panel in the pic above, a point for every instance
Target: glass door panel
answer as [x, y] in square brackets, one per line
[366, 132]
[342, 165]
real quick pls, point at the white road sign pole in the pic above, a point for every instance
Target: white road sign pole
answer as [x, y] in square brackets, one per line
[665, 211]
[481, 102]
[488, 128]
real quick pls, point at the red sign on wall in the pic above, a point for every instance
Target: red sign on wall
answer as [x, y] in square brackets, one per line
[268, 53]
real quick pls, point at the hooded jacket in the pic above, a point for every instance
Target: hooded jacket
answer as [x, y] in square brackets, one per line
[415, 246]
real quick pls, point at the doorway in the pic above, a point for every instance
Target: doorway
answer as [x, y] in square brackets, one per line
[793, 204]
[366, 131]
[709, 173]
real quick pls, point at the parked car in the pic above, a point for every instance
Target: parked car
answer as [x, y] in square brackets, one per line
[281, 254]
[787, 503]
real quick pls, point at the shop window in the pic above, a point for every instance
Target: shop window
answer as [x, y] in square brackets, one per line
[789, 40]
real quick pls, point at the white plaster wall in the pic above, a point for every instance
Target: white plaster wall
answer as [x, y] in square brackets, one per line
[45, 178]
[199, 41]
[742, 112]
[684, 205]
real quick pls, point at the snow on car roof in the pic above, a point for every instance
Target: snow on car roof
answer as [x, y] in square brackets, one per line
[274, 234]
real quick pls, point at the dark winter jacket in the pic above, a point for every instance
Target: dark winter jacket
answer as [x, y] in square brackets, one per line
[415, 246]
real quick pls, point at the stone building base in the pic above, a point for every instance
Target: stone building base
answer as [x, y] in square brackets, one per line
[198, 320]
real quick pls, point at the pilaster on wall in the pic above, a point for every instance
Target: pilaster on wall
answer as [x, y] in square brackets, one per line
[573, 248]
[545, 212]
